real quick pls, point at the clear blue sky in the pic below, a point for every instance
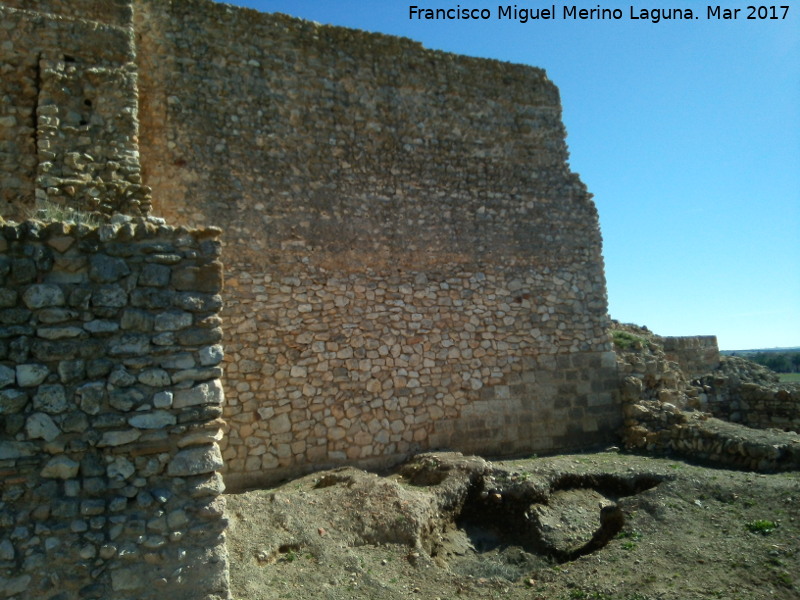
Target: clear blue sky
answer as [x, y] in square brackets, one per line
[687, 133]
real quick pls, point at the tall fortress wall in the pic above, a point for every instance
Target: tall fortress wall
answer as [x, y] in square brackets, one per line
[409, 264]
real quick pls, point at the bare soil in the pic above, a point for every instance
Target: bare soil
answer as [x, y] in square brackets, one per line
[606, 526]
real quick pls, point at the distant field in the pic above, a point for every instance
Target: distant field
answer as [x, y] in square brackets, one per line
[789, 377]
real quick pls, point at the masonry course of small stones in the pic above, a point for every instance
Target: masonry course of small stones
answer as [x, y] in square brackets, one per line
[110, 406]
[68, 129]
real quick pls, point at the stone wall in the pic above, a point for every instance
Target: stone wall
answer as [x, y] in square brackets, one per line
[744, 392]
[410, 262]
[110, 12]
[663, 428]
[696, 355]
[110, 406]
[68, 120]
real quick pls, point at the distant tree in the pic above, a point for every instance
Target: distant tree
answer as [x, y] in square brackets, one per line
[780, 362]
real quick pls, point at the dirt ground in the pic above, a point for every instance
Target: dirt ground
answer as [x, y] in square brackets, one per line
[606, 526]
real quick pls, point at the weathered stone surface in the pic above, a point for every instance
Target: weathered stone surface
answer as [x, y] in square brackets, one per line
[155, 378]
[14, 450]
[111, 296]
[127, 579]
[71, 370]
[12, 401]
[43, 295]
[107, 269]
[101, 326]
[162, 399]
[41, 426]
[173, 320]
[90, 397]
[201, 394]
[119, 438]
[120, 469]
[31, 375]
[131, 344]
[211, 355]
[195, 461]
[14, 585]
[153, 420]
[155, 275]
[51, 399]
[60, 467]
[7, 376]
[7, 551]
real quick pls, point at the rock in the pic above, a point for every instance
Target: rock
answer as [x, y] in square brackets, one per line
[14, 585]
[60, 467]
[112, 296]
[50, 399]
[71, 370]
[15, 450]
[153, 420]
[173, 321]
[119, 438]
[7, 552]
[100, 326]
[195, 461]
[210, 392]
[211, 355]
[155, 275]
[120, 469]
[43, 295]
[127, 579]
[7, 376]
[162, 399]
[12, 401]
[90, 397]
[41, 426]
[31, 375]
[158, 378]
[107, 269]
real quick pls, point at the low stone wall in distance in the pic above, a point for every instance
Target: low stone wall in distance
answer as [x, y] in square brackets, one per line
[110, 405]
[696, 355]
[662, 428]
[747, 393]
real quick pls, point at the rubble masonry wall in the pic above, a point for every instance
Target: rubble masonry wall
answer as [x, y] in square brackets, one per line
[110, 406]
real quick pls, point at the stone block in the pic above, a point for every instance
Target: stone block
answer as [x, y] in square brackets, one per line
[60, 467]
[107, 269]
[50, 399]
[119, 438]
[43, 295]
[152, 420]
[41, 426]
[31, 375]
[196, 460]
[12, 401]
[15, 450]
[209, 392]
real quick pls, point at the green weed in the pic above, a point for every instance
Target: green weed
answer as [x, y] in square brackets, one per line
[625, 341]
[762, 526]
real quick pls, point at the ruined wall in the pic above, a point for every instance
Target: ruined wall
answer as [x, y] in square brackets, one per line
[109, 412]
[663, 428]
[110, 12]
[68, 126]
[410, 262]
[733, 396]
[696, 355]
